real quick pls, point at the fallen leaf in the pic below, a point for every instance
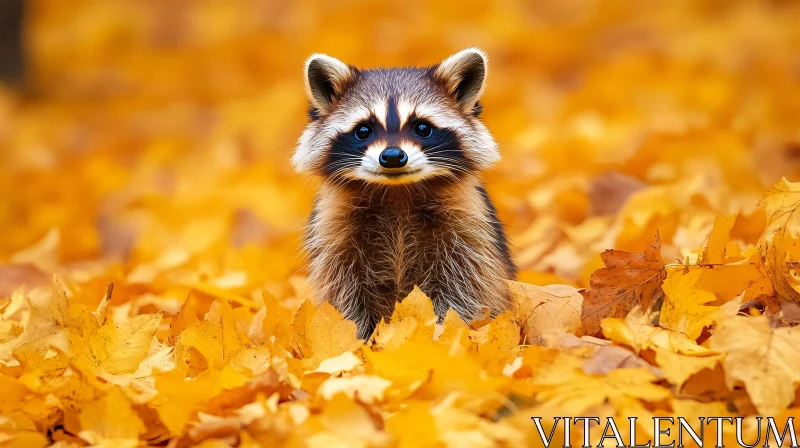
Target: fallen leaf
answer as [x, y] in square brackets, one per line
[545, 310]
[110, 421]
[714, 252]
[413, 426]
[677, 368]
[346, 423]
[329, 335]
[47, 326]
[575, 394]
[732, 279]
[685, 307]
[364, 388]
[638, 332]
[120, 347]
[626, 281]
[345, 362]
[498, 341]
[180, 398]
[762, 358]
[414, 363]
[781, 237]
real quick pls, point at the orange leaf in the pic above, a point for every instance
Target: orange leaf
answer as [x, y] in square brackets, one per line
[627, 280]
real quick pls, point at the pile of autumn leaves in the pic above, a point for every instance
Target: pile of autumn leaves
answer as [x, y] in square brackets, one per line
[706, 336]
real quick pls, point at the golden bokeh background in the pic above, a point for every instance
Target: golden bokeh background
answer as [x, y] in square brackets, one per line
[150, 142]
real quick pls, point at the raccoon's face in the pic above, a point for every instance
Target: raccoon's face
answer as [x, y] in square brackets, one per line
[395, 126]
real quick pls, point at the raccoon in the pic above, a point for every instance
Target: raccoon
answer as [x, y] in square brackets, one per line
[402, 202]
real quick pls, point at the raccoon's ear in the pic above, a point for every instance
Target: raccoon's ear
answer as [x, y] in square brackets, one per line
[326, 79]
[464, 77]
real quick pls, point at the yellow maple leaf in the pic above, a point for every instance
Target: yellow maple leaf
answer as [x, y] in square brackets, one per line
[638, 332]
[345, 423]
[345, 362]
[452, 329]
[714, 252]
[183, 319]
[498, 340]
[412, 317]
[388, 335]
[18, 431]
[685, 305]
[732, 279]
[416, 305]
[677, 368]
[272, 323]
[179, 397]
[221, 338]
[120, 347]
[432, 365]
[300, 324]
[364, 388]
[47, 326]
[110, 421]
[413, 426]
[781, 236]
[323, 333]
[762, 358]
[573, 395]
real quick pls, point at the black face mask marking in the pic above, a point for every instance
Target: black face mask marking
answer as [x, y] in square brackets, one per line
[392, 115]
[443, 149]
[345, 153]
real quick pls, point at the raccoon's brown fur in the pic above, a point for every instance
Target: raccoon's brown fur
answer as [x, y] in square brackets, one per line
[404, 206]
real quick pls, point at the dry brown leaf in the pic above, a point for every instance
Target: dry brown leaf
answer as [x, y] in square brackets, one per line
[627, 280]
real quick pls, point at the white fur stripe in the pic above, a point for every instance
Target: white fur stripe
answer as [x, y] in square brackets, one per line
[440, 117]
[404, 111]
[349, 120]
[380, 110]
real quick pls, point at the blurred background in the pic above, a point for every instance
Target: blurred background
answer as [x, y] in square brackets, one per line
[147, 142]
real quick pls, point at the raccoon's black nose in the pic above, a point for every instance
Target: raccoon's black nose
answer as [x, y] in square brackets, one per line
[393, 158]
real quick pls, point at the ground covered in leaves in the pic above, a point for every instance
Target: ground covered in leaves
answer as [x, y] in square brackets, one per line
[644, 146]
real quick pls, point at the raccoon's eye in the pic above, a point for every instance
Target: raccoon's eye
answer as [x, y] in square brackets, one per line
[423, 129]
[363, 132]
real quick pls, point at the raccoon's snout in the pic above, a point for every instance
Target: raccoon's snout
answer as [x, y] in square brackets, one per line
[393, 158]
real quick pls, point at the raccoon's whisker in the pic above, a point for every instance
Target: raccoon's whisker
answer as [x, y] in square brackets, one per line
[337, 176]
[415, 157]
[445, 161]
[344, 163]
[449, 165]
[448, 162]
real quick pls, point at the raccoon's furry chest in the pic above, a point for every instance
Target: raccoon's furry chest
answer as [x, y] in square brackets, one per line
[399, 241]
[368, 249]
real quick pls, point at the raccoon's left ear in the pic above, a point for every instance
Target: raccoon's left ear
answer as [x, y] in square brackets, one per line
[464, 77]
[326, 79]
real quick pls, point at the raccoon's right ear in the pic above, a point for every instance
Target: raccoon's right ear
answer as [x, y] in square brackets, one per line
[326, 78]
[464, 77]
